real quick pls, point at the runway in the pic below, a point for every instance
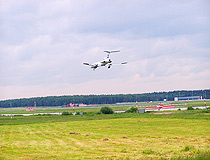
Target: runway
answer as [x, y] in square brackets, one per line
[30, 114]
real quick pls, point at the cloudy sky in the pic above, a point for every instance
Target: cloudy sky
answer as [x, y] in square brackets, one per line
[44, 43]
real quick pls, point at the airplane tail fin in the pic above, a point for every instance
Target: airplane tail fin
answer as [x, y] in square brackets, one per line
[109, 52]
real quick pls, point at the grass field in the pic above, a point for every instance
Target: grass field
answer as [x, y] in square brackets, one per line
[176, 135]
[96, 108]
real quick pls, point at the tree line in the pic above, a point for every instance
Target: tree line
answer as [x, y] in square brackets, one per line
[102, 99]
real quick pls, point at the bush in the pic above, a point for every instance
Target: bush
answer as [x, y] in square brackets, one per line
[190, 108]
[132, 110]
[65, 113]
[106, 110]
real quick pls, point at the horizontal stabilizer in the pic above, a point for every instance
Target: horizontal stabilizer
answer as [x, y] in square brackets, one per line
[124, 62]
[111, 51]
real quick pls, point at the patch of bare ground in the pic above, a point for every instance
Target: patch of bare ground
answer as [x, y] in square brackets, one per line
[124, 137]
[74, 133]
[105, 139]
[141, 121]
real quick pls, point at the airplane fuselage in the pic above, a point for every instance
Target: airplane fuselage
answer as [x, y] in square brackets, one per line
[104, 62]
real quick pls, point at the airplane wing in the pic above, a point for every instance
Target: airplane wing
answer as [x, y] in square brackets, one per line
[119, 63]
[92, 66]
[86, 63]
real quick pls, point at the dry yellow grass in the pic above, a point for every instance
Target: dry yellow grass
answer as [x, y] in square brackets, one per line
[124, 138]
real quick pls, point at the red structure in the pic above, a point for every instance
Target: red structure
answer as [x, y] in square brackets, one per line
[30, 109]
[75, 105]
[136, 104]
[204, 101]
[161, 107]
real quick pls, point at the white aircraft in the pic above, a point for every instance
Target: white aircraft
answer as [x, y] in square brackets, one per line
[104, 62]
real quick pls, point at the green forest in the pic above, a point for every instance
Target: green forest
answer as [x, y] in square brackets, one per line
[102, 99]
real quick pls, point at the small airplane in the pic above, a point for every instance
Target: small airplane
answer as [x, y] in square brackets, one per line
[104, 62]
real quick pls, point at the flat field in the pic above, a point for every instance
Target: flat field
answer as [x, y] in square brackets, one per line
[96, 108]
[175, 135]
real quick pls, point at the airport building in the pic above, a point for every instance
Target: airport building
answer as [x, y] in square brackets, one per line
[187, 98]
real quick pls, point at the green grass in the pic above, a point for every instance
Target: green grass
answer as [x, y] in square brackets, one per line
[46, 110]
[180, 135]
[188, 114]
[22, 110]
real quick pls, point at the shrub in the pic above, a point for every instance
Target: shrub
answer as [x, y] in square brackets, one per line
[132, 110]
[106, 110]
[190, 108]
[17, 115]
[89, 113]
[65, 113]
[46, 115]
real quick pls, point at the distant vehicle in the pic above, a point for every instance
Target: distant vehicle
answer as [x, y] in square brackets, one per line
[106, 61]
